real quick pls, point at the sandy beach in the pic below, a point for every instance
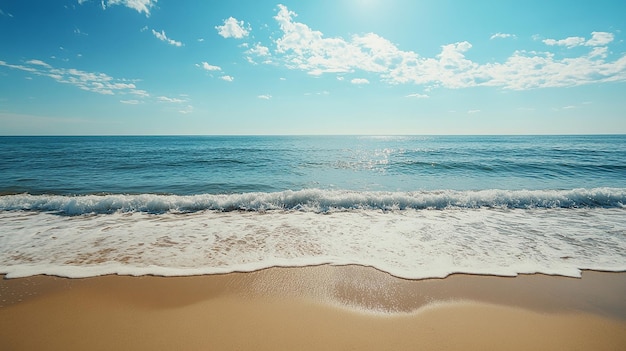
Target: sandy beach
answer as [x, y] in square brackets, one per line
[314, 308]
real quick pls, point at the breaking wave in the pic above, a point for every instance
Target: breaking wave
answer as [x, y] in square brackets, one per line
[316, 200]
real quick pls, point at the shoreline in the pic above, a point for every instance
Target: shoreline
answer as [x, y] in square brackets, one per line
[315, 307]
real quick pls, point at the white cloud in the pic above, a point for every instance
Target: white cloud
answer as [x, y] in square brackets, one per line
[208, 67]
[161, 36]
[141, 6]
[301, 48]
[359, 81]
[418, 96]
[140, 93]
[90, 81]
[599, 51]
[233, 28]
[265, 97]
[130, 102]
[188, 109]
[599, 39]
[569, 42]
[307, 49]
[38, 62]
[170, 100]
[260, 50]
[471, 112]
[502, 36]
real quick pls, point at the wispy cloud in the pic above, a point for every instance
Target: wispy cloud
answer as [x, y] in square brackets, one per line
[569, 42]
[186, 110]
[208, 67]
[359, 81]
[2, 13]
[211, 68]
[258, 51]
[600, 38]
[325, 92]
[141, 6]
[597, 39]
[79, 32]
[140, 93]
[471, 112]
[170, 100]
[233, 28]
[418, 96]
[161, 36]
[130, 102]
[183, 105]
[90, 81]
[502, 36]
[299, 47]
[38, 63]
[265, 97]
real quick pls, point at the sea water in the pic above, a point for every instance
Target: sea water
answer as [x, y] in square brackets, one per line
[413, 206]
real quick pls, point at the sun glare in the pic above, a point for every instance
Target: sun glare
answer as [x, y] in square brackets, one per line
[366, 9]
[366, 4]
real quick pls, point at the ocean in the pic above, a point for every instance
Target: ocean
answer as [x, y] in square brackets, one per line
[413, 206]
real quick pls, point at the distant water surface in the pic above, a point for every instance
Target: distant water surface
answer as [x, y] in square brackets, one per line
[220, 165]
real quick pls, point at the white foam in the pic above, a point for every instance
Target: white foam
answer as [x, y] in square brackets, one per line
[316, 200]
[407, 243]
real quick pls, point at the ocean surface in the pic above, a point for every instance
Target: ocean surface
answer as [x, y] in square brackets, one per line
[413, 206]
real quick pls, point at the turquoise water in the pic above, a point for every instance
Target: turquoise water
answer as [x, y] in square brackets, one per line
[225, 165]
[415, 206]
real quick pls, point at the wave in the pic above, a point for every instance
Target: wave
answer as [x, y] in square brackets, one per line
[316, 200]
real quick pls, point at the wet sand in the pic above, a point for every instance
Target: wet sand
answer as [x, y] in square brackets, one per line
[314, 308]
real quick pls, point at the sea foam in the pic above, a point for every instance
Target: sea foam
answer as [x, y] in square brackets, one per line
[316, 200]
[407, 243]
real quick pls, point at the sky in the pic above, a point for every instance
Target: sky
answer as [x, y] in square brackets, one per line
[178, 67]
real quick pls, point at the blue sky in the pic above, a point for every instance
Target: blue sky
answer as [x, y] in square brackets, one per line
[312, 67]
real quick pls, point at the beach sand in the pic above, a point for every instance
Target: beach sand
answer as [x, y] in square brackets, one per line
[314, 308]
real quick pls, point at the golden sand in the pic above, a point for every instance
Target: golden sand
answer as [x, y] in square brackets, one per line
[314, 308]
